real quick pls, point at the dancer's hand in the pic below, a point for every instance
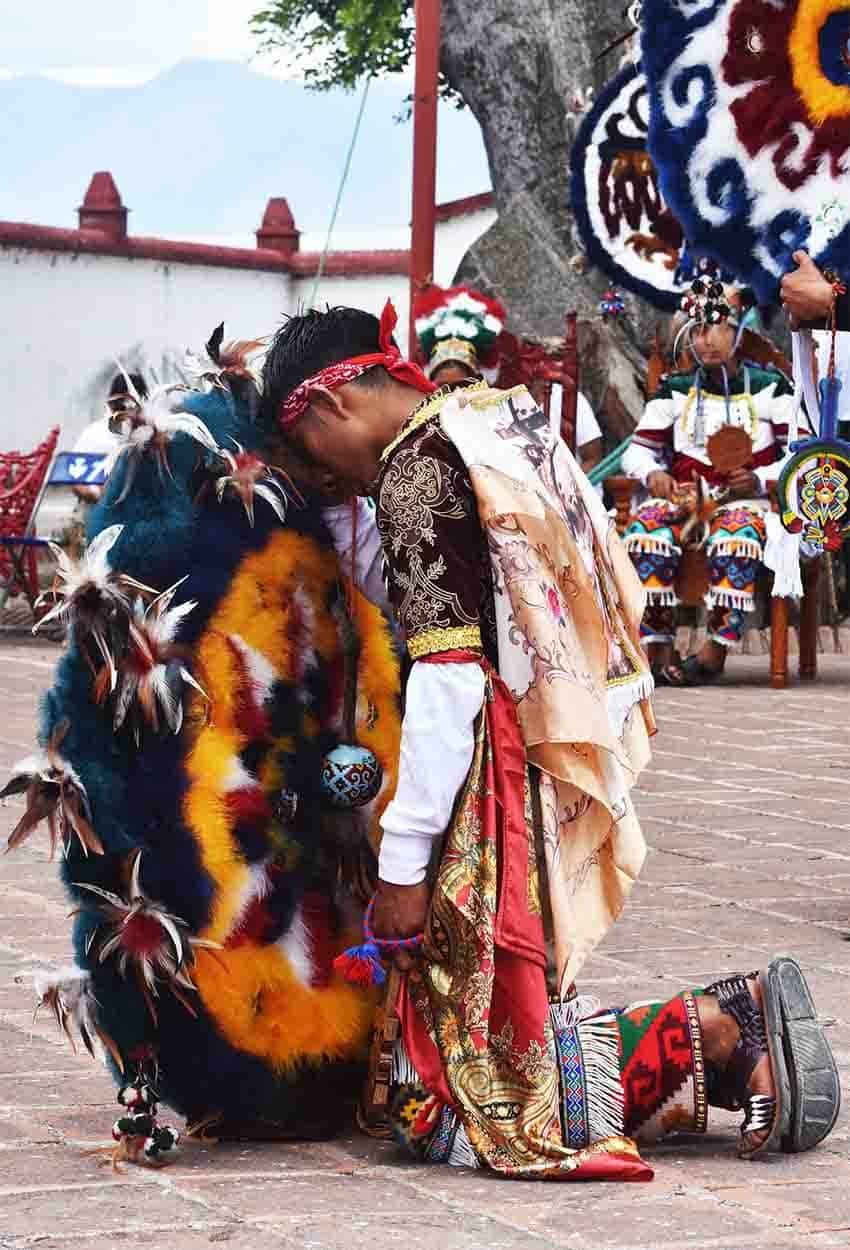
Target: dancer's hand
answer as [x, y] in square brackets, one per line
[400, 912]
[806, 293]
[661, 485]
[743, 484]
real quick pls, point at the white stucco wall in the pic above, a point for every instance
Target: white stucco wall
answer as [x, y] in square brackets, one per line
[369, 293]
[453, 239]
[67, 318]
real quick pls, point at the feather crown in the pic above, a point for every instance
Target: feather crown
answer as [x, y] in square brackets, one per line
[458, 312]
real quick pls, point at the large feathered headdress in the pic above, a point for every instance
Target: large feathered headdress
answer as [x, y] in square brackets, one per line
[458, 324]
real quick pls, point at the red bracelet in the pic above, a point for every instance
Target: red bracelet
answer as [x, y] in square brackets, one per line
[361, 965]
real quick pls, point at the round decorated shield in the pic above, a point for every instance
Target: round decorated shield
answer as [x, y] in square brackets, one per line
[749, 129]
[625, 226]
[729, 448]
[814, 493]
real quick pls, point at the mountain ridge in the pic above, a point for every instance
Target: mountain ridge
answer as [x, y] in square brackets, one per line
[200, 148]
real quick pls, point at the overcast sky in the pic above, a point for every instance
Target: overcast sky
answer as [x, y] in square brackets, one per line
[122, 42]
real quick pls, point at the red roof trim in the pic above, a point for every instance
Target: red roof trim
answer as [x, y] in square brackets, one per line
[91, 242]
[461, 208]
[301, 264]
[351, 264]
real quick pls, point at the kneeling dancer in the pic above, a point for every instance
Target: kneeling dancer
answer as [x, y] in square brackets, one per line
[512, 842]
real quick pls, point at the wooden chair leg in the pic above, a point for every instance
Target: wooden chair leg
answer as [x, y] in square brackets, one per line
[622, 490]
[809, 621]
[778, 643]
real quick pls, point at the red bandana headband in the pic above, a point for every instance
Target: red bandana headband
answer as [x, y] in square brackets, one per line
[293, 409]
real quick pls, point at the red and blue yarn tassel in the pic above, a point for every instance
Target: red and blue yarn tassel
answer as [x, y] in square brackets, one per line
[363, 965]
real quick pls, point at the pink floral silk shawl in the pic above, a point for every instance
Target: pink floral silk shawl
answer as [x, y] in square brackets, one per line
[568, 610]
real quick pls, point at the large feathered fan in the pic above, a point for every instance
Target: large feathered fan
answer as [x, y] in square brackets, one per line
[750, 129]
[214, 886]
[625, 226]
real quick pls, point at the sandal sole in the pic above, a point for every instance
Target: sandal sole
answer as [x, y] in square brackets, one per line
[805, 1073]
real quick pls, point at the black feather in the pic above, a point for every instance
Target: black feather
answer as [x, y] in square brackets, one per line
[214, 343]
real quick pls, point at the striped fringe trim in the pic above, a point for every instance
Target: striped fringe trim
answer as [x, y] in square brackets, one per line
[566, 1014]
[402, 1071]
[646, 544]
[743, 547]
[600, 1047]
[743, 600]
[661, 598]
[461, 1152]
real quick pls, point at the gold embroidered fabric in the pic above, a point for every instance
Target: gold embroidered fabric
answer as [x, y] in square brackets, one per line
[425, 411]
[439, 575]
[435, 640]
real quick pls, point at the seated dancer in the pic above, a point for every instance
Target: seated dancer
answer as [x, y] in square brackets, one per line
[511, 841]
[458, 329]
[673, 452]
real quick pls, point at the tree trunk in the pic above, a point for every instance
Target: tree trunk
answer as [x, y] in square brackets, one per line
[517, 65]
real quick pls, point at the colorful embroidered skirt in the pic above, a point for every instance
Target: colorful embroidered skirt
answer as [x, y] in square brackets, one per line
[735, 550]
[637, 1072]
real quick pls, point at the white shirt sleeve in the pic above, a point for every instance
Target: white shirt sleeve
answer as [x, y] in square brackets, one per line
[368, 558]
[779, 410]
[638, 462]
[437, 746]
[587, 427]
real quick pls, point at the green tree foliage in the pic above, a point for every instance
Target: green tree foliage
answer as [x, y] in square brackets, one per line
[336, 42]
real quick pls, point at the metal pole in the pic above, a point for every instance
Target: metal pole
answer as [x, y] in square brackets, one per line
[424, 152]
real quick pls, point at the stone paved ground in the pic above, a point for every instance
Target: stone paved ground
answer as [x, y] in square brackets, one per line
[747, 811]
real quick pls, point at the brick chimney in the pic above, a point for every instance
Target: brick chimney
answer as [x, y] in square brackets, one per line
[278, 232]
[102, 209]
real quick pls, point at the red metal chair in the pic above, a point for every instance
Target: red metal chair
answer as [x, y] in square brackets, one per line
[539, 367]
[23, 477]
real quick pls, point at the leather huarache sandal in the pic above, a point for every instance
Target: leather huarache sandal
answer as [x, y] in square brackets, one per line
[807, 1093]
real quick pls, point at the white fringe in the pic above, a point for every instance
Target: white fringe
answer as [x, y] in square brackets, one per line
[746, 548]
[462, 1154]
[649, 544]
[600, 1048]
[740, 599]
[566, 1015]
[782, 557]
[661, 598]
[403, 1071]
[620, 700]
